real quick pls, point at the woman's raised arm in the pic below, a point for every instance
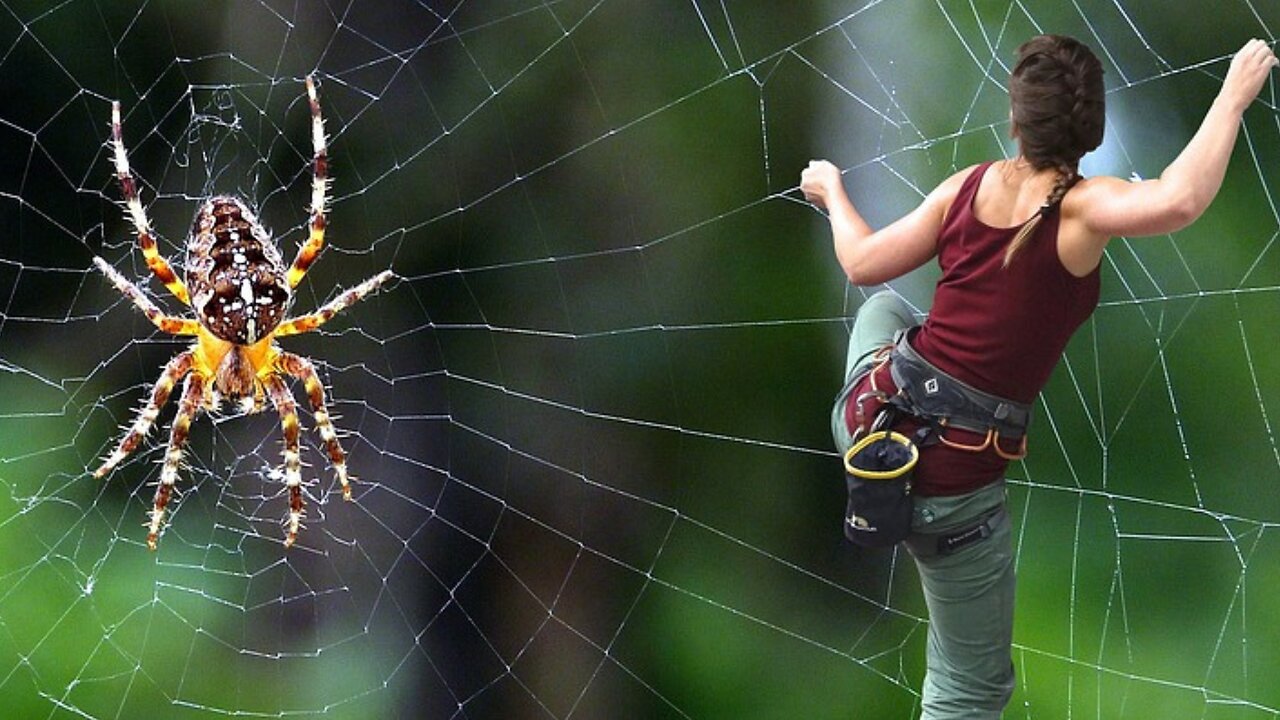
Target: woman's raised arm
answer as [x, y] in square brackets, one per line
[1112, 207]
[871, 257]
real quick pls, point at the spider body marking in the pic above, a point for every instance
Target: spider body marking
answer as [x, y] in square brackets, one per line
[240, 292]
[235, 273]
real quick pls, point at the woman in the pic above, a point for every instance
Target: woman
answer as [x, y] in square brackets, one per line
[1012, 292]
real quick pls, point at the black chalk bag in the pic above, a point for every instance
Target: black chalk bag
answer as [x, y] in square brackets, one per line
[878, 470]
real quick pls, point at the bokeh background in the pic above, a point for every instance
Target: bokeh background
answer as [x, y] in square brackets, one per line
[589, 421]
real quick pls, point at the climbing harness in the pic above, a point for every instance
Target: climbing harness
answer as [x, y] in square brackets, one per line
[943, 402]
[880, 464]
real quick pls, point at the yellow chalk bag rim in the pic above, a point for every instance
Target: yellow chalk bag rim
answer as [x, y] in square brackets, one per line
[881, 474]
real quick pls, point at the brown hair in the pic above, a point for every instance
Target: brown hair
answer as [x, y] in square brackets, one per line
[1057, 103]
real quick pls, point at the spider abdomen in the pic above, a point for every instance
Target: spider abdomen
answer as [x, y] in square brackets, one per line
[235, 273]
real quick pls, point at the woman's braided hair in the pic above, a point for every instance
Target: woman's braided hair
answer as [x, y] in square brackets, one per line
[1058, 112]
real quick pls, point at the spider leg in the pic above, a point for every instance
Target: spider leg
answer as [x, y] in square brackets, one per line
[129, 188]
[188, 406]
[301, 368]
[177, 368]
[319, 185]
[288, 409]
[311, 321]
[167, 323]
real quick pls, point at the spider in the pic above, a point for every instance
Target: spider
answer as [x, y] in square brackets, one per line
[240, 292]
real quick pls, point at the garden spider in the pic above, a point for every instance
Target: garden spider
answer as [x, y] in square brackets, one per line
[240, 292]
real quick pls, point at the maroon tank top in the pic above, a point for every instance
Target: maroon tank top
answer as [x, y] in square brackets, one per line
[1001, 330]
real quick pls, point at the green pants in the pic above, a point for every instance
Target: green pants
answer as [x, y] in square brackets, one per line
[969, 593]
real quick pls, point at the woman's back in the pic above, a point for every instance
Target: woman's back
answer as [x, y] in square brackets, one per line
[1002, 328]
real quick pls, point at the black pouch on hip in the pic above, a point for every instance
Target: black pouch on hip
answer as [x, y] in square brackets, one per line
[878, 470]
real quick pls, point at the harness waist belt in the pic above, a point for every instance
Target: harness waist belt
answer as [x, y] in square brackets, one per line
[941, 398]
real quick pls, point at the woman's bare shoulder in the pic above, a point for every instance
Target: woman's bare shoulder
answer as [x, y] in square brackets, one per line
[1080, 245]
[945, 193]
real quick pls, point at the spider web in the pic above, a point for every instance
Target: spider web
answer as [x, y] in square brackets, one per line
[588, 422]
